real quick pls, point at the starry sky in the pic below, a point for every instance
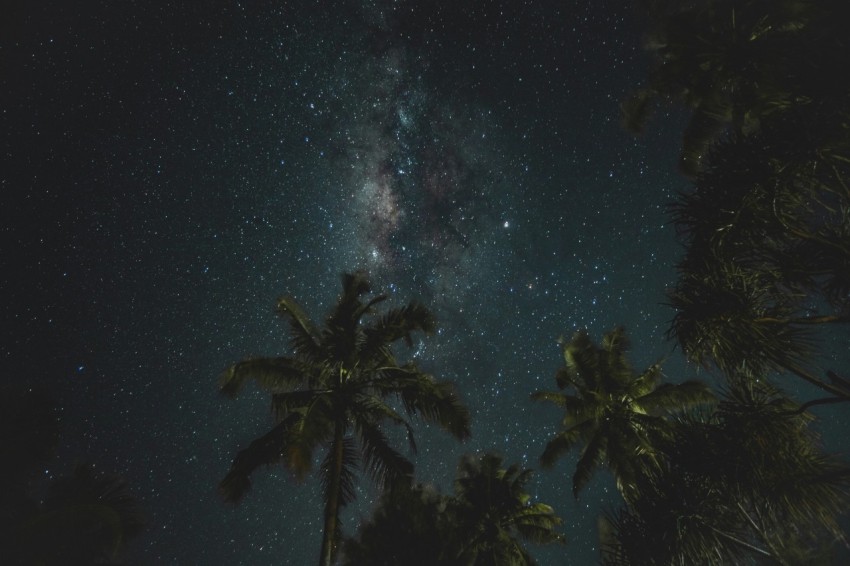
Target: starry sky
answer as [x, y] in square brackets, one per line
[170, 169]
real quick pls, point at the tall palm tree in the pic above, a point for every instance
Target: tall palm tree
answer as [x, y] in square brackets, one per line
[618, 415]
[334, 392]
[492, 512]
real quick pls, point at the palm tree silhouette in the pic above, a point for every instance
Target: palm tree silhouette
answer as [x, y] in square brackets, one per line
[732, 63]
[333, 393]
[85, 518]
[484, 523]
[616, 414]
[409, 526]
[492, 514]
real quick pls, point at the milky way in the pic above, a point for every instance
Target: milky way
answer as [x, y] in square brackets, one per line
[170, 170]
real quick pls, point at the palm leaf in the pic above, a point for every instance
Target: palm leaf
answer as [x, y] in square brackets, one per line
[395, 325]
[538, 523]
[615, 369]
[636, 110]
[347, 479]
[305, 337]
[563, 443]
[386, 466]
[647, 381]
[576, 409]
[313, 429]
[372, 409]
[592, 456]
[434, 401]
[676, 397]
[294, 401]
[264, 451]
[270, 374]
[581, 361]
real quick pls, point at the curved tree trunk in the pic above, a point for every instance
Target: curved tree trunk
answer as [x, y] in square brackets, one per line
[332, 504]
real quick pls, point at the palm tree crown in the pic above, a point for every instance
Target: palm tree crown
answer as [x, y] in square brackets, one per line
[618, 415]
[334, 393]
[484, 523]
[492, 512]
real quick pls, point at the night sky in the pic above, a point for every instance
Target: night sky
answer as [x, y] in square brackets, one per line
[169, 170]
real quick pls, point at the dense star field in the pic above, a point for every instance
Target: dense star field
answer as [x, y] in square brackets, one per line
[168, 171]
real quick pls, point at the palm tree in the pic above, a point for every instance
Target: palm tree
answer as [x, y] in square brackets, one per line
[618, 415]
[484, 523]
[492, 512]
[732, 63]
[409, 526]
[745, 484]
[333, 393]
[86, 518]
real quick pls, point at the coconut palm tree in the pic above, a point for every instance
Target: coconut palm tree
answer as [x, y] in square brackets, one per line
[334, 393]
[492, 514]
[484, 523]
[618, 415]
[409, 526]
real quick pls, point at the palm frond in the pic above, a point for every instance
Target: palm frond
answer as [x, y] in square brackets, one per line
[563, 443]
[294, 401]
[669, 397]
[615, 369]
[348, 473]
[396, 324]
[562, 400]
[636, 110]
[270, 374]
[371, 409]
[313, 429]
[647, 381]
[304, 336]
[386, 466]
[581, 361]
[538, 523]
[434, 401]
[267, 450]
[592, 456]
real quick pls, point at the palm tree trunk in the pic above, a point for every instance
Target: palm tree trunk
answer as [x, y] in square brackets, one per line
[332, 504]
